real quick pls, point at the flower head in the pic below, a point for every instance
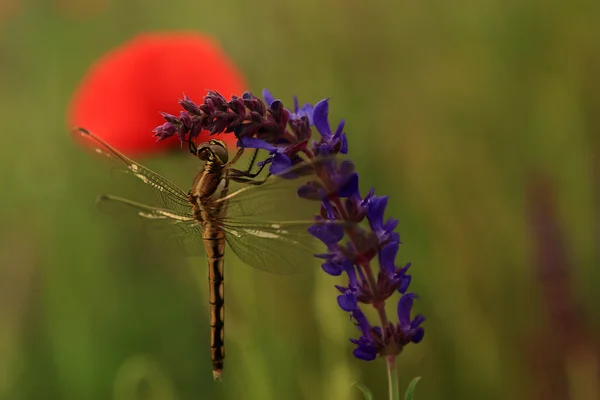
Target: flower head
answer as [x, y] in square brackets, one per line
[342, 202]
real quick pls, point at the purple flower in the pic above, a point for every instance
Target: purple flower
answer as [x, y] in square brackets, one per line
[330, 143]
[366, 346]
[339, 193]
[410, 330]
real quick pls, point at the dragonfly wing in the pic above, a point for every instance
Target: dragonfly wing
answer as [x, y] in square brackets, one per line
[167, 193]
[267, 225]
[158, 222]
[273, 247]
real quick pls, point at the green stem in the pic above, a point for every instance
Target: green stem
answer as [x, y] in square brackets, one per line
[392, 369]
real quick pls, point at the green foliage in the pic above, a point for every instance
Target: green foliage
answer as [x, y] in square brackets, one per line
[368, 395]
[410, 391]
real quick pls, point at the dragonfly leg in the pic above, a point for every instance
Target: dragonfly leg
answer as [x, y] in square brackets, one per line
[236, 157]
[252, 161]
[192, 147]
[239, 176]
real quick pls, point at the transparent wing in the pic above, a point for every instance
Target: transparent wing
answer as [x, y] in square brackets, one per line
[281, 248]
[169, 195]
[162, 223]
[267, 225]
[277, 198]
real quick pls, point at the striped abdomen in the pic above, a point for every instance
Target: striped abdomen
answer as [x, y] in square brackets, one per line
[214, 242]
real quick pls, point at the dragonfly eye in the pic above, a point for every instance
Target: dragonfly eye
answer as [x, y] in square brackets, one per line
[214, 151]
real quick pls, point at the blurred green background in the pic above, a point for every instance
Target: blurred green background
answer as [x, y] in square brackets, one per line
[455, 109]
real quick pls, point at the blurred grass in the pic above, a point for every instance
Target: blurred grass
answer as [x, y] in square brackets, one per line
[449, 108]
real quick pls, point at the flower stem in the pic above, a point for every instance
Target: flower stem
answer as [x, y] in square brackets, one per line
[392, 369]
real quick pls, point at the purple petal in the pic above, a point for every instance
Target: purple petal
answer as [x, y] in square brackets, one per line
[375, 210]
[280, 164]
[269, 98]
[320, 118]
[327, 205]
[418, 320]
[332, 268]
[347, 301]
[404, 307]
[361, 321]
[365, 353]
[368, 197]
[344, 144]
[340, 127]
[307, 110]
[351, 272]
[418, 335]
[254, 143]
[327, 233]
[404, 283]
[390, 225]
[387, 257]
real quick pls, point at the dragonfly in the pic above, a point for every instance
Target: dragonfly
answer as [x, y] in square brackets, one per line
[211, 214]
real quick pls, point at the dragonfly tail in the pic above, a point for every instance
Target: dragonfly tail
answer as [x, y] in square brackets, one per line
[217, 370]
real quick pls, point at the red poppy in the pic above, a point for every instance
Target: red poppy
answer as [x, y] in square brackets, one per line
[123, 93]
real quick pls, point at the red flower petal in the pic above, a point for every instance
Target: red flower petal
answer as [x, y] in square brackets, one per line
[123, 93]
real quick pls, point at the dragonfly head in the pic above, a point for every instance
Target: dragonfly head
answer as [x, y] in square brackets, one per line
[214, 151]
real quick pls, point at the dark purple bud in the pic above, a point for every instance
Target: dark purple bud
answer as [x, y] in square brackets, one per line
[189, 106]
[182, 132]
[185, 119]
[170, 118]
[165, 131]
[350, 187]
[311, 191]
[216, 99]
[196, 129]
